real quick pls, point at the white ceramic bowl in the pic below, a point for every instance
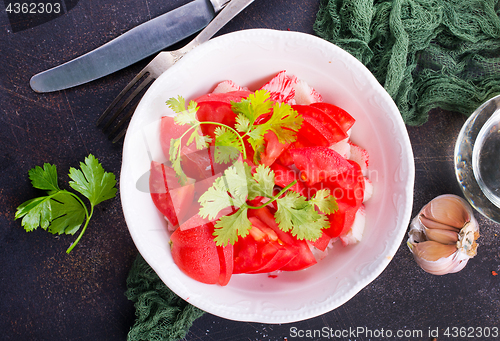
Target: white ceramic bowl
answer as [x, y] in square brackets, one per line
[250, 58]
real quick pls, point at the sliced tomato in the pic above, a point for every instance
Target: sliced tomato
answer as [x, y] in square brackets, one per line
[201, 164]
[215, 111]
[343, 118]
[341, 221]
[195, 253]
[322, 242]
[286, 158]
[253, 252]
[326, 125]
[303, 258]
[309, 134]
[319, 163]
[347, 187]
[283, 176]
[226, 97]
[170, 130]
[226, 263]
[169, 197]
[273, 149]
[285, 252]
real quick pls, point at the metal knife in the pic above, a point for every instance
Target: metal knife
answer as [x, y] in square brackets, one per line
[131, 47]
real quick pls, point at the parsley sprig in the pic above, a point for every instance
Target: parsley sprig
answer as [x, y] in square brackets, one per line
[62, 211]
[303, 218]
[230, 142]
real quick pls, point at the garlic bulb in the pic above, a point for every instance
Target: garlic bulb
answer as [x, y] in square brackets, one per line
[443, 235]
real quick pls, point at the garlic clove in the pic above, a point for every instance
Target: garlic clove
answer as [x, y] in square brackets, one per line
[443, 235]
[447, 209]
[431, 250]
[454, 262]
[431, 224]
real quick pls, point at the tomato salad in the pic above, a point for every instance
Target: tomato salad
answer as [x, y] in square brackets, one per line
[258, 181]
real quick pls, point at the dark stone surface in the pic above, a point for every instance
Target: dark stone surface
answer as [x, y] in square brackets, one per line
[46, 294]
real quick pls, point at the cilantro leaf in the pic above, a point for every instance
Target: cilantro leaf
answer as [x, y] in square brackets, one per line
[325, 202]
[92, 181]
[184, 115]
[264, 177]
[44, 178]
[251, 108]
[285, 122]
[227, 145]
[228, 228]
[298, 215]
[230, 189]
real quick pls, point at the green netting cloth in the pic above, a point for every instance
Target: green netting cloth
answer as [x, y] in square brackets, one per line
[160, 314]
[426, 53]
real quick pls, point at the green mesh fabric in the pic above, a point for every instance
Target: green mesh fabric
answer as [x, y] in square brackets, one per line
[426, 53]
[160, 314]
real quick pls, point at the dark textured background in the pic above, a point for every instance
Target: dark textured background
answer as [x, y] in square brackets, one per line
[46, 294]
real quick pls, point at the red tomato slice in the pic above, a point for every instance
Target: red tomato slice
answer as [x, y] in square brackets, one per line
[273, 149]
[253, 252]
[343, 118]
[341, 221]
[347, 187]
[226, 263]
[169, 197]
[310, 135]
[170, 130]
[201, 165]
[285, 252]
[322, 242]
[304, 258]
[215, 111]
[326, 125]
[283, 176]
[319, 163]
[195, 253]
[226, 97]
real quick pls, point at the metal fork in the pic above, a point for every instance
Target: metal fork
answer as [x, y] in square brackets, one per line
[163, 61]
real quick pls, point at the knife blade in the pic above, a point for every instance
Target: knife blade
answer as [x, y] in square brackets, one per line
[130, 47]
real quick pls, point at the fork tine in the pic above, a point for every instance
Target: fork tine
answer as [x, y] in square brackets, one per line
[121, 95]
[121, 134]
[133, 95]
[123, 120]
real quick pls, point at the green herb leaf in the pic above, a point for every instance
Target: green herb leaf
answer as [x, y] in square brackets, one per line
[264, 177]
[298, 215]
[44, 178]
[325, 202]
[251, 108]
[35, 212]
[92, 181]
[227, 145]
[61, 211]
[229, 227]
[184, 115]
[67, 214]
